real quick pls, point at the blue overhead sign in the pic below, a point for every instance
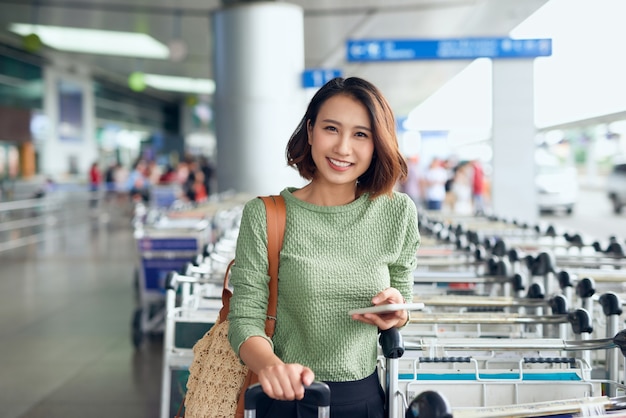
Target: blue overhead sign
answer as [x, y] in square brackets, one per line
[318, 77]
[446, 49]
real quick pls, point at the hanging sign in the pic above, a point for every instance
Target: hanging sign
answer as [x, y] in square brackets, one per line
[317, 77]
[364, 50]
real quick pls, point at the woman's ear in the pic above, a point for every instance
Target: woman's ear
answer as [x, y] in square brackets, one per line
[309, 131]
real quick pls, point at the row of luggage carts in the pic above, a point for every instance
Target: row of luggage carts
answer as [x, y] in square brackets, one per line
[169, 236]
[191, 292]
[517, 320]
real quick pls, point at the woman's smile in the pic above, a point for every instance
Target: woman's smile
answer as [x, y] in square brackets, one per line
[339, 165]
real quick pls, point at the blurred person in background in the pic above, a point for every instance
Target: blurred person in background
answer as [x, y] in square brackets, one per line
[168, 176]
[462, 189]
[182, 172]
[208, 170]
[154, 172]
[138, 183]
[120, 178]
[109, 179]
[95, 179]
[47, 187]
[478, 188]
[435, 181]
[195, 188]
[412, 185]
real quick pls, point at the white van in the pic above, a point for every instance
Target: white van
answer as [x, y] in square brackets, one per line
[556, 183]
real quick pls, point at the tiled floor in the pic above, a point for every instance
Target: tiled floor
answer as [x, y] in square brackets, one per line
[65, 312]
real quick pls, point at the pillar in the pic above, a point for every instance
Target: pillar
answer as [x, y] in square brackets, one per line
[259, 100]
[513, 180]
[27, 159]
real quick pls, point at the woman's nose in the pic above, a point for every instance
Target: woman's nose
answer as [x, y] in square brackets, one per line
[343, 145]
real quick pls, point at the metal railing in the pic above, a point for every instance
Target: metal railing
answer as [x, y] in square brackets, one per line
[31, 221]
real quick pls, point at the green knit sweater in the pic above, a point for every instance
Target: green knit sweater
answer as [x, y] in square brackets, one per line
[333, 259]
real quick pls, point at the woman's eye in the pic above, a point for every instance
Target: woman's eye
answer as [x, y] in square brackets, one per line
[331, 128]
[362, 135]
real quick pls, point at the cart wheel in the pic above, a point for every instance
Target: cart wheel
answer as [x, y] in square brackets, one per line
[136, 331]
[136, 284]
[429, 404]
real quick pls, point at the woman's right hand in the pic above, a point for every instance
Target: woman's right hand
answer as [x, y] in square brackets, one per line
[280, 381]
[285, 382]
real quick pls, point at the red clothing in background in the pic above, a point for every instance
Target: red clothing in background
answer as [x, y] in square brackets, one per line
[478, 184]
[95, 177]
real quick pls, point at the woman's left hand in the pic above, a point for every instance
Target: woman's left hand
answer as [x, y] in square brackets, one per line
[385, 320]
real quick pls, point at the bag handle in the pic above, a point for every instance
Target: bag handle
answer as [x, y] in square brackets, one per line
[276, 216]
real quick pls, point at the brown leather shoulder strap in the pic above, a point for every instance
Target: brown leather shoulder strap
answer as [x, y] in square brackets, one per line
[276, 218]
[226, 294]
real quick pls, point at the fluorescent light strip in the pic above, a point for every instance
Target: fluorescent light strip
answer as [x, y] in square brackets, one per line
[181, 84]
[91, 41]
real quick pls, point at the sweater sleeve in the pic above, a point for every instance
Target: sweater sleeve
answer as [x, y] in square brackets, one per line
[249, 277]
[401, 270]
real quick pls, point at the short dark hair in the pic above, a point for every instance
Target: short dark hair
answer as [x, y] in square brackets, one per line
[388, 165]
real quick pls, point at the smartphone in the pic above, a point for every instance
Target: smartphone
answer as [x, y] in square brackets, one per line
[388, 308]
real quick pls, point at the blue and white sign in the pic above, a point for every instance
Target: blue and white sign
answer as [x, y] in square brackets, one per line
[318, 77]
[445, 49]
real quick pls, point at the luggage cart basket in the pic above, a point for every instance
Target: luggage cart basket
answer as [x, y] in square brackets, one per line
[532, 402]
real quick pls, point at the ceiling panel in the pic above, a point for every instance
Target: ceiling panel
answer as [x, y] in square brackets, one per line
[327, 24]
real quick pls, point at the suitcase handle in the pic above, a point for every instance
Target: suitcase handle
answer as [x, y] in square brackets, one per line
[318, 390]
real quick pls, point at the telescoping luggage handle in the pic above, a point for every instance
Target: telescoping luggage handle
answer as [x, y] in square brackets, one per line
[318, 390]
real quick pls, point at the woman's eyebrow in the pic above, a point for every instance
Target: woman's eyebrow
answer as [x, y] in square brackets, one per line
[341, 124]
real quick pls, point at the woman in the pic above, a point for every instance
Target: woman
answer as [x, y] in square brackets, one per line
[350, 242]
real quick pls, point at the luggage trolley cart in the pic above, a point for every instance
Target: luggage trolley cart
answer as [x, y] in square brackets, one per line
[192, 306]
[164, 246]
[491, 390]
[165, 196]
[499, 307]
[598, 406]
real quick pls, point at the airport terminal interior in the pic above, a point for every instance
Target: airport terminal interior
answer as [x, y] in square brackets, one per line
[101, 222]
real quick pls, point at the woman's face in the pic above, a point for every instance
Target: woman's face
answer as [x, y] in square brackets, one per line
[341, 141]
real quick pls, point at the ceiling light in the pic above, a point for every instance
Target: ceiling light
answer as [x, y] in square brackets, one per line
[91, 41]
[181, 84]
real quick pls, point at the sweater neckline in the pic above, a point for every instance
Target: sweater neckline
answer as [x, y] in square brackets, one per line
[287, 193]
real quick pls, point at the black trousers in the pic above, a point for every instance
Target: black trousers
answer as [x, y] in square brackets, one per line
[357, 399]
